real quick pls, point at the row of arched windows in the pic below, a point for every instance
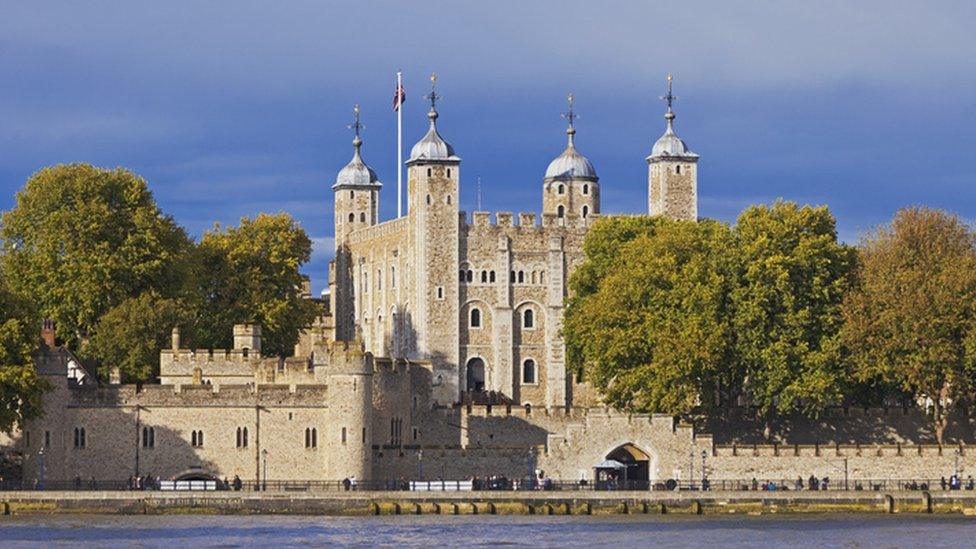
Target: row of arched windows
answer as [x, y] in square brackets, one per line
[242, 437]
[311, 437]
[561, 189]
[148, 437]
[515, 277]
[527, 318]
[80, 440]
[584, 211]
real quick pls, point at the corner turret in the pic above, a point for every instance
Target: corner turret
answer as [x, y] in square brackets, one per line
[672, 178]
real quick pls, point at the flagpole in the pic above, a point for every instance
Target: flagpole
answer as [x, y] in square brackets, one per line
[399, 146]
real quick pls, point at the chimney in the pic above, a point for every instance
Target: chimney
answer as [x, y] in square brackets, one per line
[175, 338]
[47, 333]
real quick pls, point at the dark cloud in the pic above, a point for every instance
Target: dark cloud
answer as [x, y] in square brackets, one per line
[230, 109]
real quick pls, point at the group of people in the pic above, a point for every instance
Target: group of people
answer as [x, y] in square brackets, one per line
[955, 483]
[145, 482]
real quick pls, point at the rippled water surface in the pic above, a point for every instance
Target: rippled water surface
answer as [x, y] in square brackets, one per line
[271, 531]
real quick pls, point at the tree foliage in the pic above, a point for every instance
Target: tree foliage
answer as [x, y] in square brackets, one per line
[649, 319]
[250, 274]
[787, 306]
[81, 240]
[131, 334]
[912, 318]
[20, 387]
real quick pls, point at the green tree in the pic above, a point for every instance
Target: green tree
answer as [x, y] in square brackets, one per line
[794, 274]
[655, 334]
[132, 333]
[250, 274]
[20, 387]
[911, 318]
[80, 240]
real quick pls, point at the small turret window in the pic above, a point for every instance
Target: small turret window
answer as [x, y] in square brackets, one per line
[352, 194]
[521, 277]
[469, 275]
[491, 276]
[475, 318]
[448, 199]
[428, 200]
[586, 211]
[528, 319]
[561, 189]
[428, 172]
[586, 189]
[528, 375]
[362, 217]
[449, 172]
[678, 169]
[561, 211]
[484, 277]
[352, 217]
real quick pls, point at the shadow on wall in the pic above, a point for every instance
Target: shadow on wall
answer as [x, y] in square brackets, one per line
[836, 425]
[123, 436]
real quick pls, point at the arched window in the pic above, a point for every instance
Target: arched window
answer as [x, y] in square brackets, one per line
[678, 169]
[448, 199]
[315, 437]
[561, 211]
[428, 172]
[148, 437]
[239, 439]
[561, 189]
[476, 318]
[491, 276]
[352, 194]
[393, 280]
[461, 277]
[428, 199]
[521, 277]
[469, 275]
[352, 217]
[528, 371]
[586, 211]
[532, 275]
[586, 189]
[484, 277]
[245, 351]
[196, 439]
[449, 172]
[511, 277]
[362, 217]
[528, 319]
[343, 435]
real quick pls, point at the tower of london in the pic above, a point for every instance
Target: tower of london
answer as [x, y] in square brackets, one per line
[437, 353]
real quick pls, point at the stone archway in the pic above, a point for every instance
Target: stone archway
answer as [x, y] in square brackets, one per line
[638, 463]
[475, 374]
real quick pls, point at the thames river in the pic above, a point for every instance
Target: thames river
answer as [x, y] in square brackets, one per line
[175, 531]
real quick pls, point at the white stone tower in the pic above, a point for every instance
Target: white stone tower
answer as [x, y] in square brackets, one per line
[357, 197]
[433, 173]
[570, 189]
[672, 173]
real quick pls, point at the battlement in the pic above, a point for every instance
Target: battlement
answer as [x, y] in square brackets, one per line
[198, 395]
[365, 234]
[525, 221]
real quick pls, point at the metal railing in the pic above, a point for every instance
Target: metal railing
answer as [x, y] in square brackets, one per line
[501, 484]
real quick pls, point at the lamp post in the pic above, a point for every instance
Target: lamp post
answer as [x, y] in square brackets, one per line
[420, 463]
[703, 454]
[956, 468]
[40, 475]
[264, 454]
[691, 471]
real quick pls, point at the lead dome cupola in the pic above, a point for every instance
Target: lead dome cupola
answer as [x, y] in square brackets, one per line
[571, 164]
[432, 147]
[356, 173]
[670, 145]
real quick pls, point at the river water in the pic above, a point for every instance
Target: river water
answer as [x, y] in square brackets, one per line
[177, 531]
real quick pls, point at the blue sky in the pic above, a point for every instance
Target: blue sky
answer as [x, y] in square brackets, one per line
[235, 108]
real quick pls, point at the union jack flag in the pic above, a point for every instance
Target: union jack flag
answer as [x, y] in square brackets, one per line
[399, 97]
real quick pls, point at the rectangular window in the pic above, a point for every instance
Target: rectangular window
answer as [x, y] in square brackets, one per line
[364, 435]
[343, 435]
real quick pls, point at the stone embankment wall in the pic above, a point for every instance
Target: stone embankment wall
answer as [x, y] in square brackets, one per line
[489, 503]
